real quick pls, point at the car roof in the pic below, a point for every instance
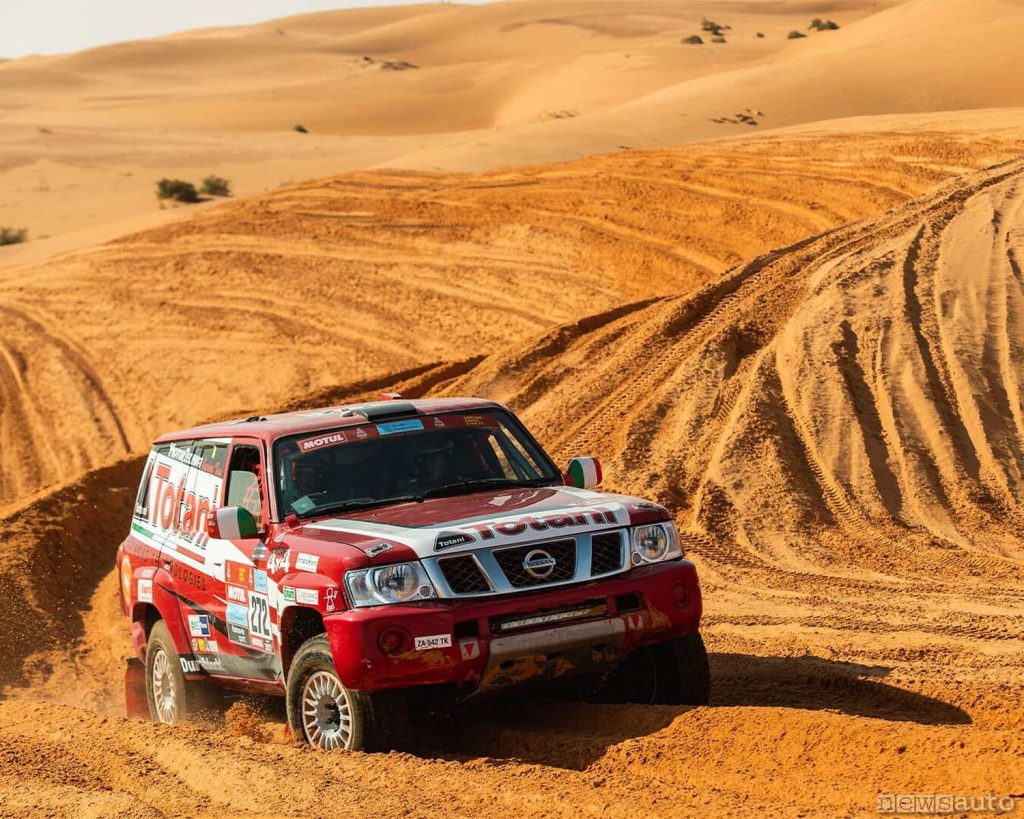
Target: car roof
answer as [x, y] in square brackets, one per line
[272, 427]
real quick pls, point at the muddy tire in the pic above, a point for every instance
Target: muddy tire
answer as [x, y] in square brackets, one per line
[327, 715]
[675, 672]
[173, 699]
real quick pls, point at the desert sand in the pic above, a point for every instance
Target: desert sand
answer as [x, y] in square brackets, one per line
[804, 336]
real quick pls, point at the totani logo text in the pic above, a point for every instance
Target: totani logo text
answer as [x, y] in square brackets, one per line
[511, 528]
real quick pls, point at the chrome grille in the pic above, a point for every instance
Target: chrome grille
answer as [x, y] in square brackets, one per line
[605, 553]
[463, 575]
[500, 570]
[512, 561]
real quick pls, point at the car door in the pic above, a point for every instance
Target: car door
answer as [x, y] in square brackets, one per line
[240, 601]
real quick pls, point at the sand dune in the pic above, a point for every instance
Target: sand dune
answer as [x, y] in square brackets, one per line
[85, 136]
[103, 350]
[835, 422]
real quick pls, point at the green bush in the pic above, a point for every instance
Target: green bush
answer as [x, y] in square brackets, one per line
[795, 35]
[693, 39]
[216, 186]
[823, 25]
[176, 189]
[10, 236]
[300, 129]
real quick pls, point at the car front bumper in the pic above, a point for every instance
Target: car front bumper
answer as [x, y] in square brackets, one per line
[498, 642]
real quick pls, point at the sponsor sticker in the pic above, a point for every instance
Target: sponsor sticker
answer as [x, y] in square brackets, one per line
[195, 645]
[330, 597]
[279, 561]
[391, 427]
[200, 645]
[259, 581]
[145, 590]
[306, 563]
[261, 643]
[238, 634]
[239, 615]
[212, 647]
[189, 665]
[469, 649]
[433, 641]
[360, 432]
[308, 597]
[238, 574]
[309, 444]
[438, 422]
[236, 594]
[635, 622]
[259, 615]
[288, 593]
[473, 420]
[448, 540]
[199, 625]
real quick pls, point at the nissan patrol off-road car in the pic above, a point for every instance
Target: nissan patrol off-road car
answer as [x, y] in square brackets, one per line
[354, 558]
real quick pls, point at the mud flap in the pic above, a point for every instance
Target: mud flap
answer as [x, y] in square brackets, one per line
[541, 656]
[136, 705]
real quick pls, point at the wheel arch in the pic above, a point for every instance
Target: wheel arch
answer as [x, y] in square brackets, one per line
[298, 624]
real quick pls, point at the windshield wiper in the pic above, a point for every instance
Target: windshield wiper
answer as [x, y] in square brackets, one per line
[465, 487]
[354, 505]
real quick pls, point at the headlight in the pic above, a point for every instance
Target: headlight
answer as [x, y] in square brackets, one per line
[396, 583]
[653, 543]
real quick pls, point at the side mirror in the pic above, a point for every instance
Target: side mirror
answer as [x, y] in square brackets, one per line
[232, 523]
[583, 473]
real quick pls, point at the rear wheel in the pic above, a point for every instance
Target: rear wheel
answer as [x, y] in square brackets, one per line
[172, 699]
[675, 672]
[326, 714]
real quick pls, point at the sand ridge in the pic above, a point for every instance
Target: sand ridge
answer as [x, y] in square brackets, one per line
[811, 415]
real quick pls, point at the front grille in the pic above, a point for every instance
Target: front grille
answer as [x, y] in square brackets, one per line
[463, 575]
[511, 562]
[606, 553]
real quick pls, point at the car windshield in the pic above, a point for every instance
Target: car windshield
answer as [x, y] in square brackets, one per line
[373, 464]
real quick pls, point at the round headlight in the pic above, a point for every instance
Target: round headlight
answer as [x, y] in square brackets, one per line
[397, 583]
[651, 542]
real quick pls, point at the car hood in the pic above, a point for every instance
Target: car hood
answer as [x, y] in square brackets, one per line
[466, 522]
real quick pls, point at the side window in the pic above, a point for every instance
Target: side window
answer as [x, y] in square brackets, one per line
[144, 494]
[245, 485]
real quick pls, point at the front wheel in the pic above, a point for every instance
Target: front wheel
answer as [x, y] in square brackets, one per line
[675, 672]
[171, 698]
[327, 715]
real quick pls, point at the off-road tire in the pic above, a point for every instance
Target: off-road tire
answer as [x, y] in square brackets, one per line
[377, 721]
[675, 672]
[192, 699]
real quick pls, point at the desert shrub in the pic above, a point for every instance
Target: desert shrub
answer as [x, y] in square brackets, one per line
[216, 186]
[12, 236]
[718, 38]
[712, 27]
[300, 129]
[795, 35]
[693, 39]
[823, 25]
[177, 189]
[760, 35]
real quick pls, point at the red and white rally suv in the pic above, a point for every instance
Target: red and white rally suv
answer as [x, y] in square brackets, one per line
[357, 558]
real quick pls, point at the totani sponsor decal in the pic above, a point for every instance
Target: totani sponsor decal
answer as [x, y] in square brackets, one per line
[144, 591]
[392, 427]
[238, 574]
[307, 597]
[239, 615]
[331, 439]
[433, 641]
[199, 625]
[236, 594]
[448, 540]
[288, 593]
[306, 563]
[238, 634]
